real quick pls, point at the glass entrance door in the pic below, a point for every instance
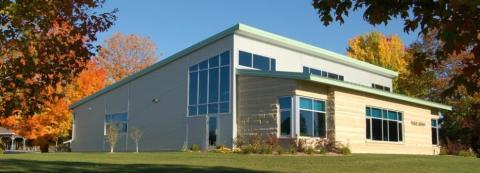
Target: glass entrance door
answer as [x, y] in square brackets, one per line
[212, 130]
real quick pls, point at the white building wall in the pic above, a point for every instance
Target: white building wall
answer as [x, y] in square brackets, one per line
[293, 61]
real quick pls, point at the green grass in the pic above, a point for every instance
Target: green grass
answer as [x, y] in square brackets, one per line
[217, 162]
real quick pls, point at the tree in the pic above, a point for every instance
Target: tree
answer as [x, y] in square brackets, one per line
[112, 137]
[44, 45]
[457, 24]
[381, 50]
[122, 55]
[136, 134]
[55, 120]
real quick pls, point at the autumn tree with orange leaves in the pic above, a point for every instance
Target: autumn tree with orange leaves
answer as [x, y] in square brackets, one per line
[122, 55]
[55, 120]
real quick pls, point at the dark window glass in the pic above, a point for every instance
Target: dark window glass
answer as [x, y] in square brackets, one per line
[319, 123]
[213, 108]
[392, 115]
[316, 72]
[202, 109]
[318, 105]
[324, 74]
[306, 70]
[376, 129]
[385, 130]
[367, 121]
[332, 76]
[340, 78]
[224, 83]
[261, 62]
[285, 102]
[434, 136]
[273, 65]
[213, 85]
[387, 89]
[385, 114]
[193, 67]
[367, 111]
[192, 110]
[203, 65]
[193, 84]
[285, 122]
[212, 131]
[400, 132]
[306, 122]
[224, 107]
[202, 88]
[225, 58]
[245, 59]
[392, 131]
[214, 61]
[400, 118]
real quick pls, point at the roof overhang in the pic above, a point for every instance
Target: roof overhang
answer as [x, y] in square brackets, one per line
[342, 84]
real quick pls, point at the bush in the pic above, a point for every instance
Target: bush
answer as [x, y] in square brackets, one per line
[249, 149]
[279, 150]
[344, 150]
[309, 150]
[466, 153]
[195, 147]
[265, 149]
[223, 149]
[443, 151]
[322, 150]
[255, 140]
[292, 150]
[239, 142]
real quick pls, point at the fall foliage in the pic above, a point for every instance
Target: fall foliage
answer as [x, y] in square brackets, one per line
[122, 55]
[44, 45]
[55, 120]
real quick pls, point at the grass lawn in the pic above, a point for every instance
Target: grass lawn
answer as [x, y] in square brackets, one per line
[217, 162]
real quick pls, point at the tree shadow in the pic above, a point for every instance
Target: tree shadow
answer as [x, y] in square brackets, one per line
[24, 166]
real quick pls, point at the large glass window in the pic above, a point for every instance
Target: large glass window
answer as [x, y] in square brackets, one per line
[285, 116]
[256, 61]
[312, 117]
[434, 132]
[209, 86]
[383, 124]
[308, 70]
[118, 120]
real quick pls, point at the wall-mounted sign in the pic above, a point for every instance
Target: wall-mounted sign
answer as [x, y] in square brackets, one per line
[417, 123]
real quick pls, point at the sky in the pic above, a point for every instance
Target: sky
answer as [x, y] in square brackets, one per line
[177, 24]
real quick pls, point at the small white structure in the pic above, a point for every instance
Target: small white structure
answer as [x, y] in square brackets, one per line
[10, 136]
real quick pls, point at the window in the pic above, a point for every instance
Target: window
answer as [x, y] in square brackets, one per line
[212, 130]
[380, 87]
[383, 124]
[258, 62]
[285, 116]
[209, 86]
[118, 120]
[434, 131]
[308, 70]
[312, 117]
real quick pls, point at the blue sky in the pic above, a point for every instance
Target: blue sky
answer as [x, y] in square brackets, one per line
[176, 24]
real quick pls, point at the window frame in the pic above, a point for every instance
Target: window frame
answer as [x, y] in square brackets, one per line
[219, 88]
[292, 116]
[436, 131]
[326, 74]
[298, 109]
[252, 60]
[122, 121]
[400, 124]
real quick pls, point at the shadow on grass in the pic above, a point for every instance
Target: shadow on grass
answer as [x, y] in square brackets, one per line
[24, 166]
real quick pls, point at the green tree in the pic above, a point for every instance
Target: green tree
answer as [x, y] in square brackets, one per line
[457, 23]
[44, 44]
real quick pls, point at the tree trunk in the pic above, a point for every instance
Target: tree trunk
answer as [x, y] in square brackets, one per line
[111, 148]
[136, 146]
[44, 147]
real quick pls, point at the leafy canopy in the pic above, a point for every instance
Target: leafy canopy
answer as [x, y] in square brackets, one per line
[43, 45]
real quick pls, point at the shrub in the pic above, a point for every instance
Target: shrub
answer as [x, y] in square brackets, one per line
[255, 140]
[344, 150]
[272, 140]
[195, 147]
[239, 142]
[292, 150]
[265, 149]
[223, 149]
[309, 150]
[301, 145]
[322, 150]
[466, 153]
[279, 150]
[1, 150]
[249, 149]
[443, 151]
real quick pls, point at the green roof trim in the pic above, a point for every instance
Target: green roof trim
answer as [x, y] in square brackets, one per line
[342, 84]
[245, 30]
